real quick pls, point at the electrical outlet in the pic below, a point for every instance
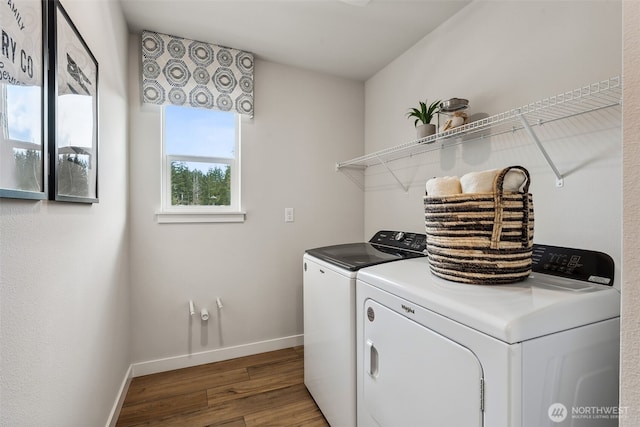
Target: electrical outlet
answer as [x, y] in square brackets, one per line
[288, 215]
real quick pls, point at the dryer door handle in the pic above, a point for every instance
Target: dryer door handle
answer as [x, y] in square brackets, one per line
[372, 363]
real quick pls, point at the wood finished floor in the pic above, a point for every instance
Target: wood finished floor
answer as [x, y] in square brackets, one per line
[260, 390]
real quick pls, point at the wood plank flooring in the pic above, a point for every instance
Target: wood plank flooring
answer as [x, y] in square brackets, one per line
[260, 390]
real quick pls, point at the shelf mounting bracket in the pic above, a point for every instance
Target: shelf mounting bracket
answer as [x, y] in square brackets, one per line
[406, 189]
[534, 137]
[344, 170]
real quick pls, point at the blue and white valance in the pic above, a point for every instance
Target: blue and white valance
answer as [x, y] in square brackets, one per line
[185, 72]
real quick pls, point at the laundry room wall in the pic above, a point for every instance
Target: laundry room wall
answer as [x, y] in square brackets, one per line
[501, 55]
[304, 122]
[630, 327]
[64, 268]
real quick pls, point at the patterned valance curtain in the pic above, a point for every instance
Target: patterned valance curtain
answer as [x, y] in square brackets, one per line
[185, 72]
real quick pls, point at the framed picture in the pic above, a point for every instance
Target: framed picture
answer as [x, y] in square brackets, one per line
[23, 83]
[73, 112]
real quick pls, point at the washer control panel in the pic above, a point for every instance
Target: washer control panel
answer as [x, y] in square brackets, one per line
[413, 242]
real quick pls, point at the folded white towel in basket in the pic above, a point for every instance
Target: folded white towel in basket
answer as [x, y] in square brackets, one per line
[443, 186]
[482, 182]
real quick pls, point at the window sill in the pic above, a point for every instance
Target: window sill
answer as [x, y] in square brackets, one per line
[199, 217]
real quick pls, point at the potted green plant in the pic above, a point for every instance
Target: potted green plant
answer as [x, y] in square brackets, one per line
[423, 116]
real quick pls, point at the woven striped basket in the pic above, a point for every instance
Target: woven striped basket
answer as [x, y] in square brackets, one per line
[481, 238]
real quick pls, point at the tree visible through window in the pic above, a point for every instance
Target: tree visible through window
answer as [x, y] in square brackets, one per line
[201, 159]
[191, 186]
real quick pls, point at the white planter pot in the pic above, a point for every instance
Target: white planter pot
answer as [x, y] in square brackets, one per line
[425, 130]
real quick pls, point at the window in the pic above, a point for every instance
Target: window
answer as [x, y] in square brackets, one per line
[200, 165]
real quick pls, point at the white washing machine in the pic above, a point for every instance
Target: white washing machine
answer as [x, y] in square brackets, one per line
[329, 295]
[543, 352]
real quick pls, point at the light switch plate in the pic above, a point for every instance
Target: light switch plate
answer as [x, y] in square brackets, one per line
[288, 215]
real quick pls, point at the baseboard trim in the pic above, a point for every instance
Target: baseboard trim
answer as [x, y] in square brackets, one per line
[122, 393]
[194, 359]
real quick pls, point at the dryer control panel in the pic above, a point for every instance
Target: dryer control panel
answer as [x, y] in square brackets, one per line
[579, 264]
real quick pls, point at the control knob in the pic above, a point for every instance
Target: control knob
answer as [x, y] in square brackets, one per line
[399, 236]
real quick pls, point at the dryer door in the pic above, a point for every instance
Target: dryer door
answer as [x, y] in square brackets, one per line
[416, 377]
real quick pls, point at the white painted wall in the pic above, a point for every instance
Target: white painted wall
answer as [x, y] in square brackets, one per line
[64, 269]
[501, 55]
[304, 122]
[630, 378]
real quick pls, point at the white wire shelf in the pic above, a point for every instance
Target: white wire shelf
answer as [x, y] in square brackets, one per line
[594, 97]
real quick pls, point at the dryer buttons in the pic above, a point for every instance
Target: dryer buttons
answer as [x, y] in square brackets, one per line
[371, 314]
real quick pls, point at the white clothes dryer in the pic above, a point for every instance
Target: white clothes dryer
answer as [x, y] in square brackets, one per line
[542, 352]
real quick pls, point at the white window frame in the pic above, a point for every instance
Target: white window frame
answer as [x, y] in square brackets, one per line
[208, 213]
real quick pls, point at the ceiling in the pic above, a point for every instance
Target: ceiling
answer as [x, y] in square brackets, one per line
[348, 38]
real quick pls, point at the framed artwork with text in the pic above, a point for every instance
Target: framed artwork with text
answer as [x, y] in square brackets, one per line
[23, 86]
